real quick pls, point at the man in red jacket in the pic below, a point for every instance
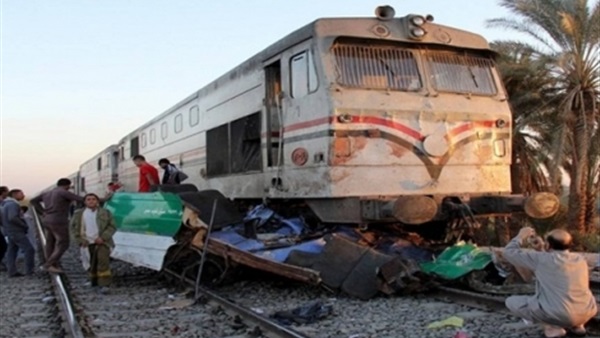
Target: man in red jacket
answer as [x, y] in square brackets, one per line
[148, 174]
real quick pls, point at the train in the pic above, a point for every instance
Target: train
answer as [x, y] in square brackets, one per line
[363, 121]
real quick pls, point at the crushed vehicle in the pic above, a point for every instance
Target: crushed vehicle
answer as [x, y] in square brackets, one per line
[170, 231]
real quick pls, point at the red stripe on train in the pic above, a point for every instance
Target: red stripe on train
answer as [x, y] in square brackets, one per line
[386, 123]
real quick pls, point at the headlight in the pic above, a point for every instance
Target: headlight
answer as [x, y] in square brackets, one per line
[417, 20]
[417, 32]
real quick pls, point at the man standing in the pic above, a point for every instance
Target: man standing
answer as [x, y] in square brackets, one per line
[3, 244]
[56, 221]
[16, 229]
[93, 227]
[563, 298]
[172, 175]
[148, 174]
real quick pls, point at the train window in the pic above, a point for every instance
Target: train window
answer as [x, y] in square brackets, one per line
[194, 116]
[144, 140]
[234, 147]
[461, 73]
[122, 153]
[152, 136]
[99, 164]
[375, 66]
[245, 144]
[178, 123]
[164, 130]
[313, 82]
[135, 147]
[82, 185]
[217, 151]
[303, 75]
[299, 75]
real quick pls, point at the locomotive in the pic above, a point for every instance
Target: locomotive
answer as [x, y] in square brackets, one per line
[363, 119]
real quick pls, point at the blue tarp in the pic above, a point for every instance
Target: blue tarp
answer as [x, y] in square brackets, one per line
[278, 236]
[283, 237]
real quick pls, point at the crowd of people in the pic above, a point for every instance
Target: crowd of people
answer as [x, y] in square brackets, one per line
[91, 226]
[562, 301]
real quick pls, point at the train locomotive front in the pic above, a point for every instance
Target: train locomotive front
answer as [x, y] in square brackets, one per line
[413, 126]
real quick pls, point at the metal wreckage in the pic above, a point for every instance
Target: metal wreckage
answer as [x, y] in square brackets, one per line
[169, 232]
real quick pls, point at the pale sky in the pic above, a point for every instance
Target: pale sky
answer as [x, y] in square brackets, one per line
[77, 75]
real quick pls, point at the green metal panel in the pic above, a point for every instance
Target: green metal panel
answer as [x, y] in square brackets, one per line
[148, 213]
[458, 260]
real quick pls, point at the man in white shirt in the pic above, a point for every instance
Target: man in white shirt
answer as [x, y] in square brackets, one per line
[93, 228]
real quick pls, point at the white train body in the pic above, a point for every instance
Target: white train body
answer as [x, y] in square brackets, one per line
[97, 172]
[351, 131]
[359, 117]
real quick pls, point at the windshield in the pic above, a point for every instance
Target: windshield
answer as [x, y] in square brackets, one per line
[375, 65]
[362, 65]
[461, 73]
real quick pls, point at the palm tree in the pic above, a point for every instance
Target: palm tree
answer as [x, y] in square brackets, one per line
[568, 32]
[593, 181]
[530, 87]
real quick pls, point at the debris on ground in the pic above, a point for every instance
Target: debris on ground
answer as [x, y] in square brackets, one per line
[450, 321]
[177, 304]
[461, 334]
[305, 314]
[457, 261]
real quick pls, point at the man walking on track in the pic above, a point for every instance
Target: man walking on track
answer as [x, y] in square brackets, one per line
[56, 221]
[148, 174]
[93, 227]
[16, 229]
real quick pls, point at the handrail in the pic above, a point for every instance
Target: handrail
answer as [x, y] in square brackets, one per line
[73, 326]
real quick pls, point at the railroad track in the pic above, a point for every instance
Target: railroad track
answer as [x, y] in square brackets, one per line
[265, 325]
[139, 305]
[495, 303]
[65, 303]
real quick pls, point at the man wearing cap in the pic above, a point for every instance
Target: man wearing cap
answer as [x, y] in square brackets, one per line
[563, 298]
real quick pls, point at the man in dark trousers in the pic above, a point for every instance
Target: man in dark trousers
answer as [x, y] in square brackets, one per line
[56, 221]
[93, 227]
[16, 229]
[3, 244]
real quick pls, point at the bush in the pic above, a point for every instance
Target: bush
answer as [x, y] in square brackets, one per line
[587, 242]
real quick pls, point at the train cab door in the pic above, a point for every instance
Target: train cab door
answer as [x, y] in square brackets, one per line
[273, 114]
[303, 111]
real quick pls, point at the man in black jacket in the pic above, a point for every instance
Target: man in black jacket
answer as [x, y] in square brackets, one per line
[172, 175]
[16, 229]
[3, 245]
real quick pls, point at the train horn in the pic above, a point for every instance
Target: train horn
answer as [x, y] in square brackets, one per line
[385, 13]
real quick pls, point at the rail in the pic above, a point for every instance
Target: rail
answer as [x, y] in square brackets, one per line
[266, 325]
[74, 330]
[494, 303]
